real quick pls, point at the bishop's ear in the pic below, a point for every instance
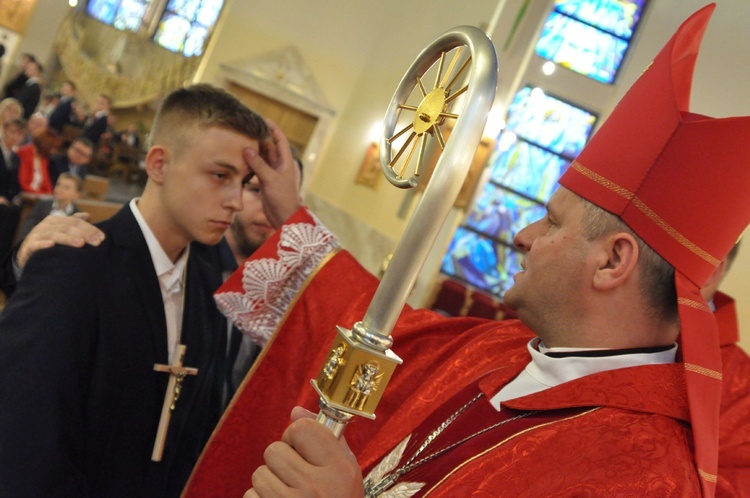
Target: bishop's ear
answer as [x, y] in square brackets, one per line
[617, 260]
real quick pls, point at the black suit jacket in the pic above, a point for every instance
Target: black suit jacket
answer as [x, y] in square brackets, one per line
[13, 86]
[29, 95]
[60, 163]
[95, 129]
[61, 115]
[80, 398]
[9, 187]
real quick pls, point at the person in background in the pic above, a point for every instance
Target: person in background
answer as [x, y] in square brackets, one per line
[67, 190]
[76, 159]
[734, 443]
[30, 93]
[62, 115]
[97, 122]
[13, 133]
[10, 108]
[16, 83]
[34, 171]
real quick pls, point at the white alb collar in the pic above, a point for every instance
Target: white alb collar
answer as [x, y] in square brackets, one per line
[545, 371]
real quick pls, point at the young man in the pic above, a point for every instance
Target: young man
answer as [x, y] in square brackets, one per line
[67, 190]
[90, 334]
[63, 112]
[31, 92]
[591, 395]
[97, 123]
[76, 159]
[13, 133]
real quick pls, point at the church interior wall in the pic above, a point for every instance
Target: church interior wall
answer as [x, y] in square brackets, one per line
[359, 50]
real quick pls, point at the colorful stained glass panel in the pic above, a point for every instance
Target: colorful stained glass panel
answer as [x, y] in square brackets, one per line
[549, 122]
[618, 17]
[501, 214]
[103, 10]
[527, 169]
[580, 47]
[130, 15]
[481, 262]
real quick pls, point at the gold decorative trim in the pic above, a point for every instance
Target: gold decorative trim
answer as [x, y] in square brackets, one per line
[457, 468]
[621, 191]
[692, 367]
[668, 229]
[693, 304]
[706, 476]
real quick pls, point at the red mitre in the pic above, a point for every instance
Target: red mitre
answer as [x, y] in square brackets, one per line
[679, 181]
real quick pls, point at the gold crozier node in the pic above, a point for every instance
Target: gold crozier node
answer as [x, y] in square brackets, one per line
[354, 375]
[177, 374]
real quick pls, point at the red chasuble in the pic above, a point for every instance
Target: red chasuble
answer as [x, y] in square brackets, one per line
[623, 432]
[734, 421]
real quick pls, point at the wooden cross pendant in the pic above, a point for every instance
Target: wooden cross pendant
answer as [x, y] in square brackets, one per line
[177, 374]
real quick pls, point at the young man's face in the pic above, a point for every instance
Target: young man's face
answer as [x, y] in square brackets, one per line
[79, 153]
[202, 185]
[13, 135]
[554, 265]
[65, 191]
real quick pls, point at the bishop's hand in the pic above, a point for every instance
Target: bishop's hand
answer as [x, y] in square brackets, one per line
[278, 175]
[308, 461]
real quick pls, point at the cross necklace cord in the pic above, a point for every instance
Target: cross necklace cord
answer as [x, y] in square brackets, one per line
[372, 490]
[177, 373]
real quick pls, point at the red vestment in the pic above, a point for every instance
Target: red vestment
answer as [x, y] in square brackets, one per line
[734, 428]
[637, 443]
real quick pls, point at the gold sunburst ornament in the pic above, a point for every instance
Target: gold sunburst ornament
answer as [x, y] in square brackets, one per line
[429, 115]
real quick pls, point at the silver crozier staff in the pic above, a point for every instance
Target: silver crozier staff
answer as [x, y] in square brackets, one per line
[360, 362]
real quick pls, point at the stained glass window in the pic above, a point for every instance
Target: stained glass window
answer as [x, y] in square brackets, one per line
[590, 37]
[185, 25]
[543, 134]
[126, 15]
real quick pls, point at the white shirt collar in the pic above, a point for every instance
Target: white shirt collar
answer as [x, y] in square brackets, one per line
[170, 274]
[545, 371]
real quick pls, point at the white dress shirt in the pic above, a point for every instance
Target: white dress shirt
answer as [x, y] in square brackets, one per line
[171, 280]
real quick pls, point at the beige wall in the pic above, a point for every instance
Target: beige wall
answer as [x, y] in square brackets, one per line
[359, 50]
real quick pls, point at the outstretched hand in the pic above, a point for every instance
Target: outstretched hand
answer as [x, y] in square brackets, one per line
[308, 461]
[74, 231]
[278, 176]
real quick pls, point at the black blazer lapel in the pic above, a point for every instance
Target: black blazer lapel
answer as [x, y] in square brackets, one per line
[138, 271]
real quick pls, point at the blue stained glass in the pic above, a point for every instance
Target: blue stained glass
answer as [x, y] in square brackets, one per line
[619, 17]
[549, 122]
[194, 41]
[172, 32]
[481, 262]
[527, 169]
[130, 15]
[103, 10]
[184, 8]
[501, 214]
[209, 12]
[581, 48]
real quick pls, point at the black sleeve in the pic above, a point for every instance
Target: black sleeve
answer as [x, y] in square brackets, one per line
[47, 339]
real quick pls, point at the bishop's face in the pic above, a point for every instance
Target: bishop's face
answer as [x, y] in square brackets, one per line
[547, 292]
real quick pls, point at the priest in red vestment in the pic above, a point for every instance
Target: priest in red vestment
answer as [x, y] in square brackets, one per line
[734, 440]
[609, 385]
